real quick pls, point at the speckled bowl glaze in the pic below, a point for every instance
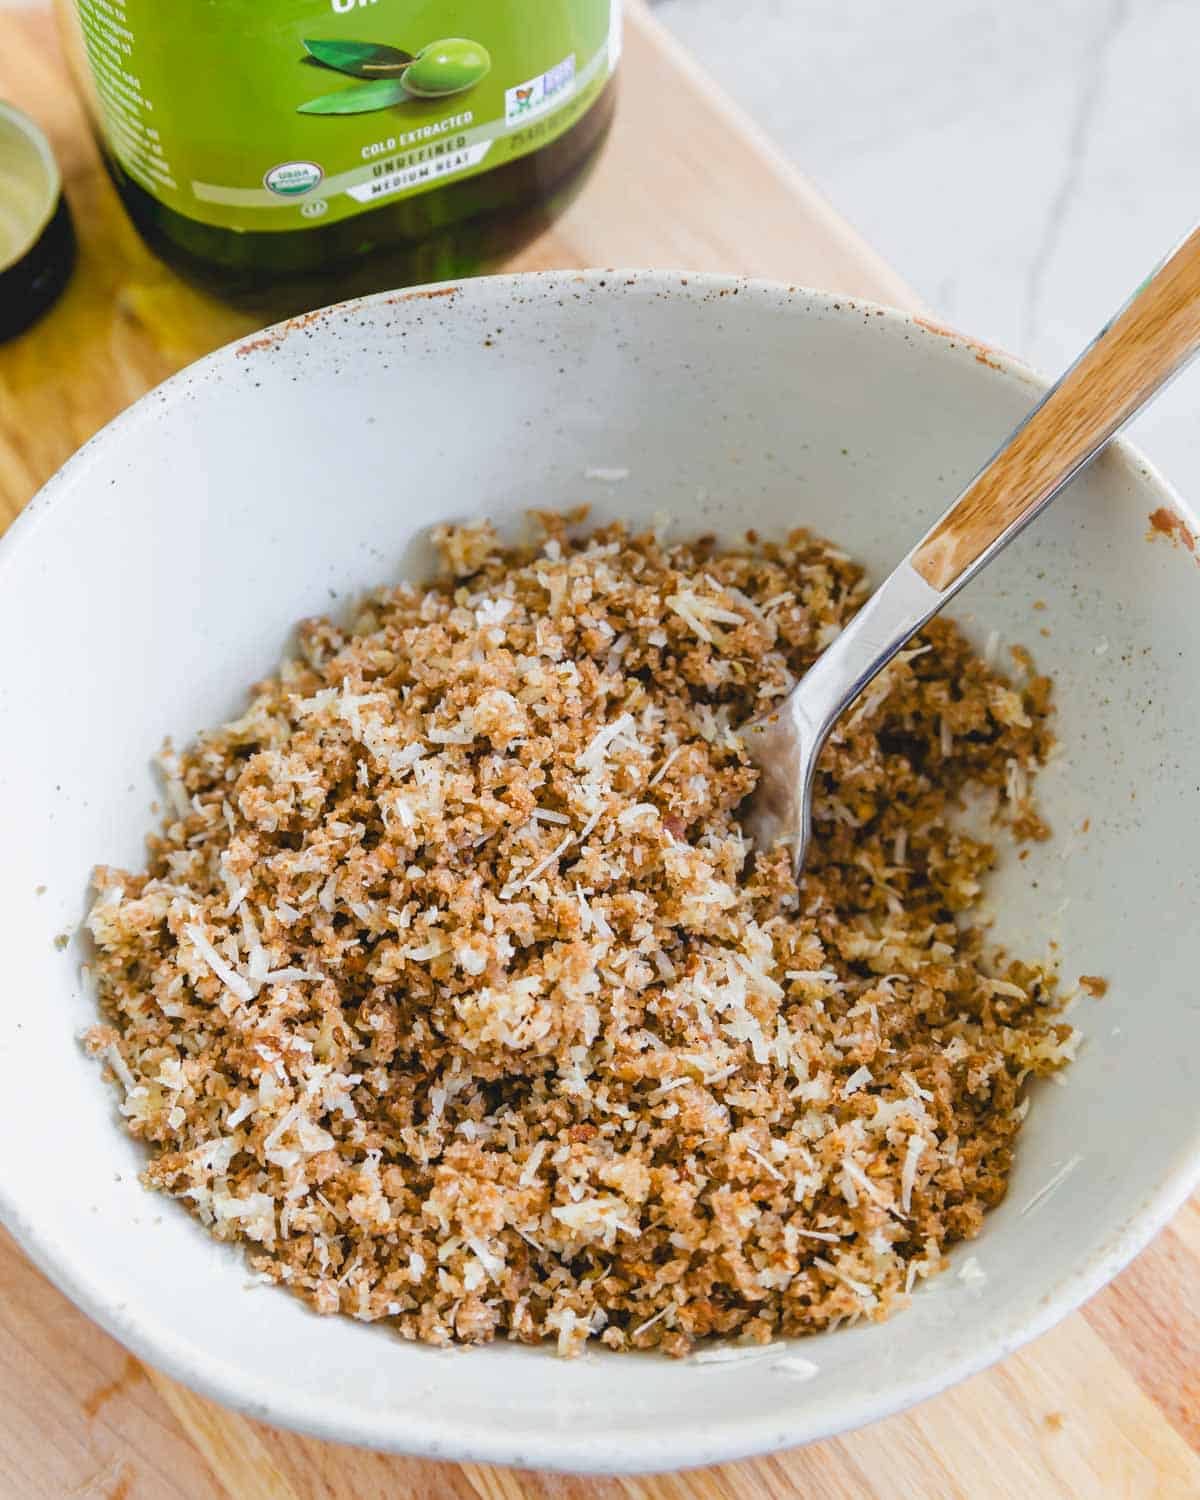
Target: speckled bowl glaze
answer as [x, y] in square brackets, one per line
[160, 572]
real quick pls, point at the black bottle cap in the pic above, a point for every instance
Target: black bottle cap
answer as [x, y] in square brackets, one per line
[37, 241]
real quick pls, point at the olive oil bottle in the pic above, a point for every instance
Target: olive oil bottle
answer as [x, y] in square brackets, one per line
[309, 149]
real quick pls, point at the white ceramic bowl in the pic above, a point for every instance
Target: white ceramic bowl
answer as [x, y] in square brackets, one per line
[160, 572]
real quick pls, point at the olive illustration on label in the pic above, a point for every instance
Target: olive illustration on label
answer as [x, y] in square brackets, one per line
[392, 76]
[446, 67]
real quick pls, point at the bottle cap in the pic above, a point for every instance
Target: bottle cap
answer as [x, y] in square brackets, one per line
[37, 241]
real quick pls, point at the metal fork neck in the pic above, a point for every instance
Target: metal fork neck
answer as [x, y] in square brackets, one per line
[898, 608]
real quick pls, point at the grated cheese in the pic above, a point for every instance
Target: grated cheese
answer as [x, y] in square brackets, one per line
[228, 977]
[1055, 1182]
[666, 765]
[727, 1354]
[542, 865]
[908, 1173]
[765, 1164]
[650, 1322]
[440, 1012]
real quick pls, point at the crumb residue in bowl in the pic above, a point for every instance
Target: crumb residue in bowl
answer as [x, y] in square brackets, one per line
[454, 990]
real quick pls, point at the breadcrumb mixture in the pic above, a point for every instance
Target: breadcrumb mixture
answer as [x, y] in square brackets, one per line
[455, 991]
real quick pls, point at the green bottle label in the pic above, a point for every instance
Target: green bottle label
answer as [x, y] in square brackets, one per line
[281, 114]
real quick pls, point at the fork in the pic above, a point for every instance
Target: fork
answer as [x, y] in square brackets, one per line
[1129, 361]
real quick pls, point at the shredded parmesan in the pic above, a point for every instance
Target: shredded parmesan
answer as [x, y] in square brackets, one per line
[1055, 1182]
[455, 992]
[228, 977]
[650, 1322]
[908, 1173]
[972, 1272]
[666, 765]
[765, 1164]
[538, 869]
[729, 1354]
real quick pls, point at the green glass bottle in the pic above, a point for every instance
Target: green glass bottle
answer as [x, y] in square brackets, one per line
[293, 152]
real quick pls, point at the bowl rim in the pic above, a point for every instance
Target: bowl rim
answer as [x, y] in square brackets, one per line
[645, 1450]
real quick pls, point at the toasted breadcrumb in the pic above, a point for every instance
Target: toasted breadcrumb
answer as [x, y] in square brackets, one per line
[454, 990]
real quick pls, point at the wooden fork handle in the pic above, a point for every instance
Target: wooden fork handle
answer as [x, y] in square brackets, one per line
[1132, 357]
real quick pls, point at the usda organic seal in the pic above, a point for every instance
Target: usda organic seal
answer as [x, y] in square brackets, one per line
[291, 178]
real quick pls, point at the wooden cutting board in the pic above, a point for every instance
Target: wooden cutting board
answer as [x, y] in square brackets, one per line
[1107, 1405]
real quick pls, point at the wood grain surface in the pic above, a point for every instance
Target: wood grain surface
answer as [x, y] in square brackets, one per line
[1108, 1404]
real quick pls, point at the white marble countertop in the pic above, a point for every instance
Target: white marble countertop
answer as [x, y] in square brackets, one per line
[1023, 166]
